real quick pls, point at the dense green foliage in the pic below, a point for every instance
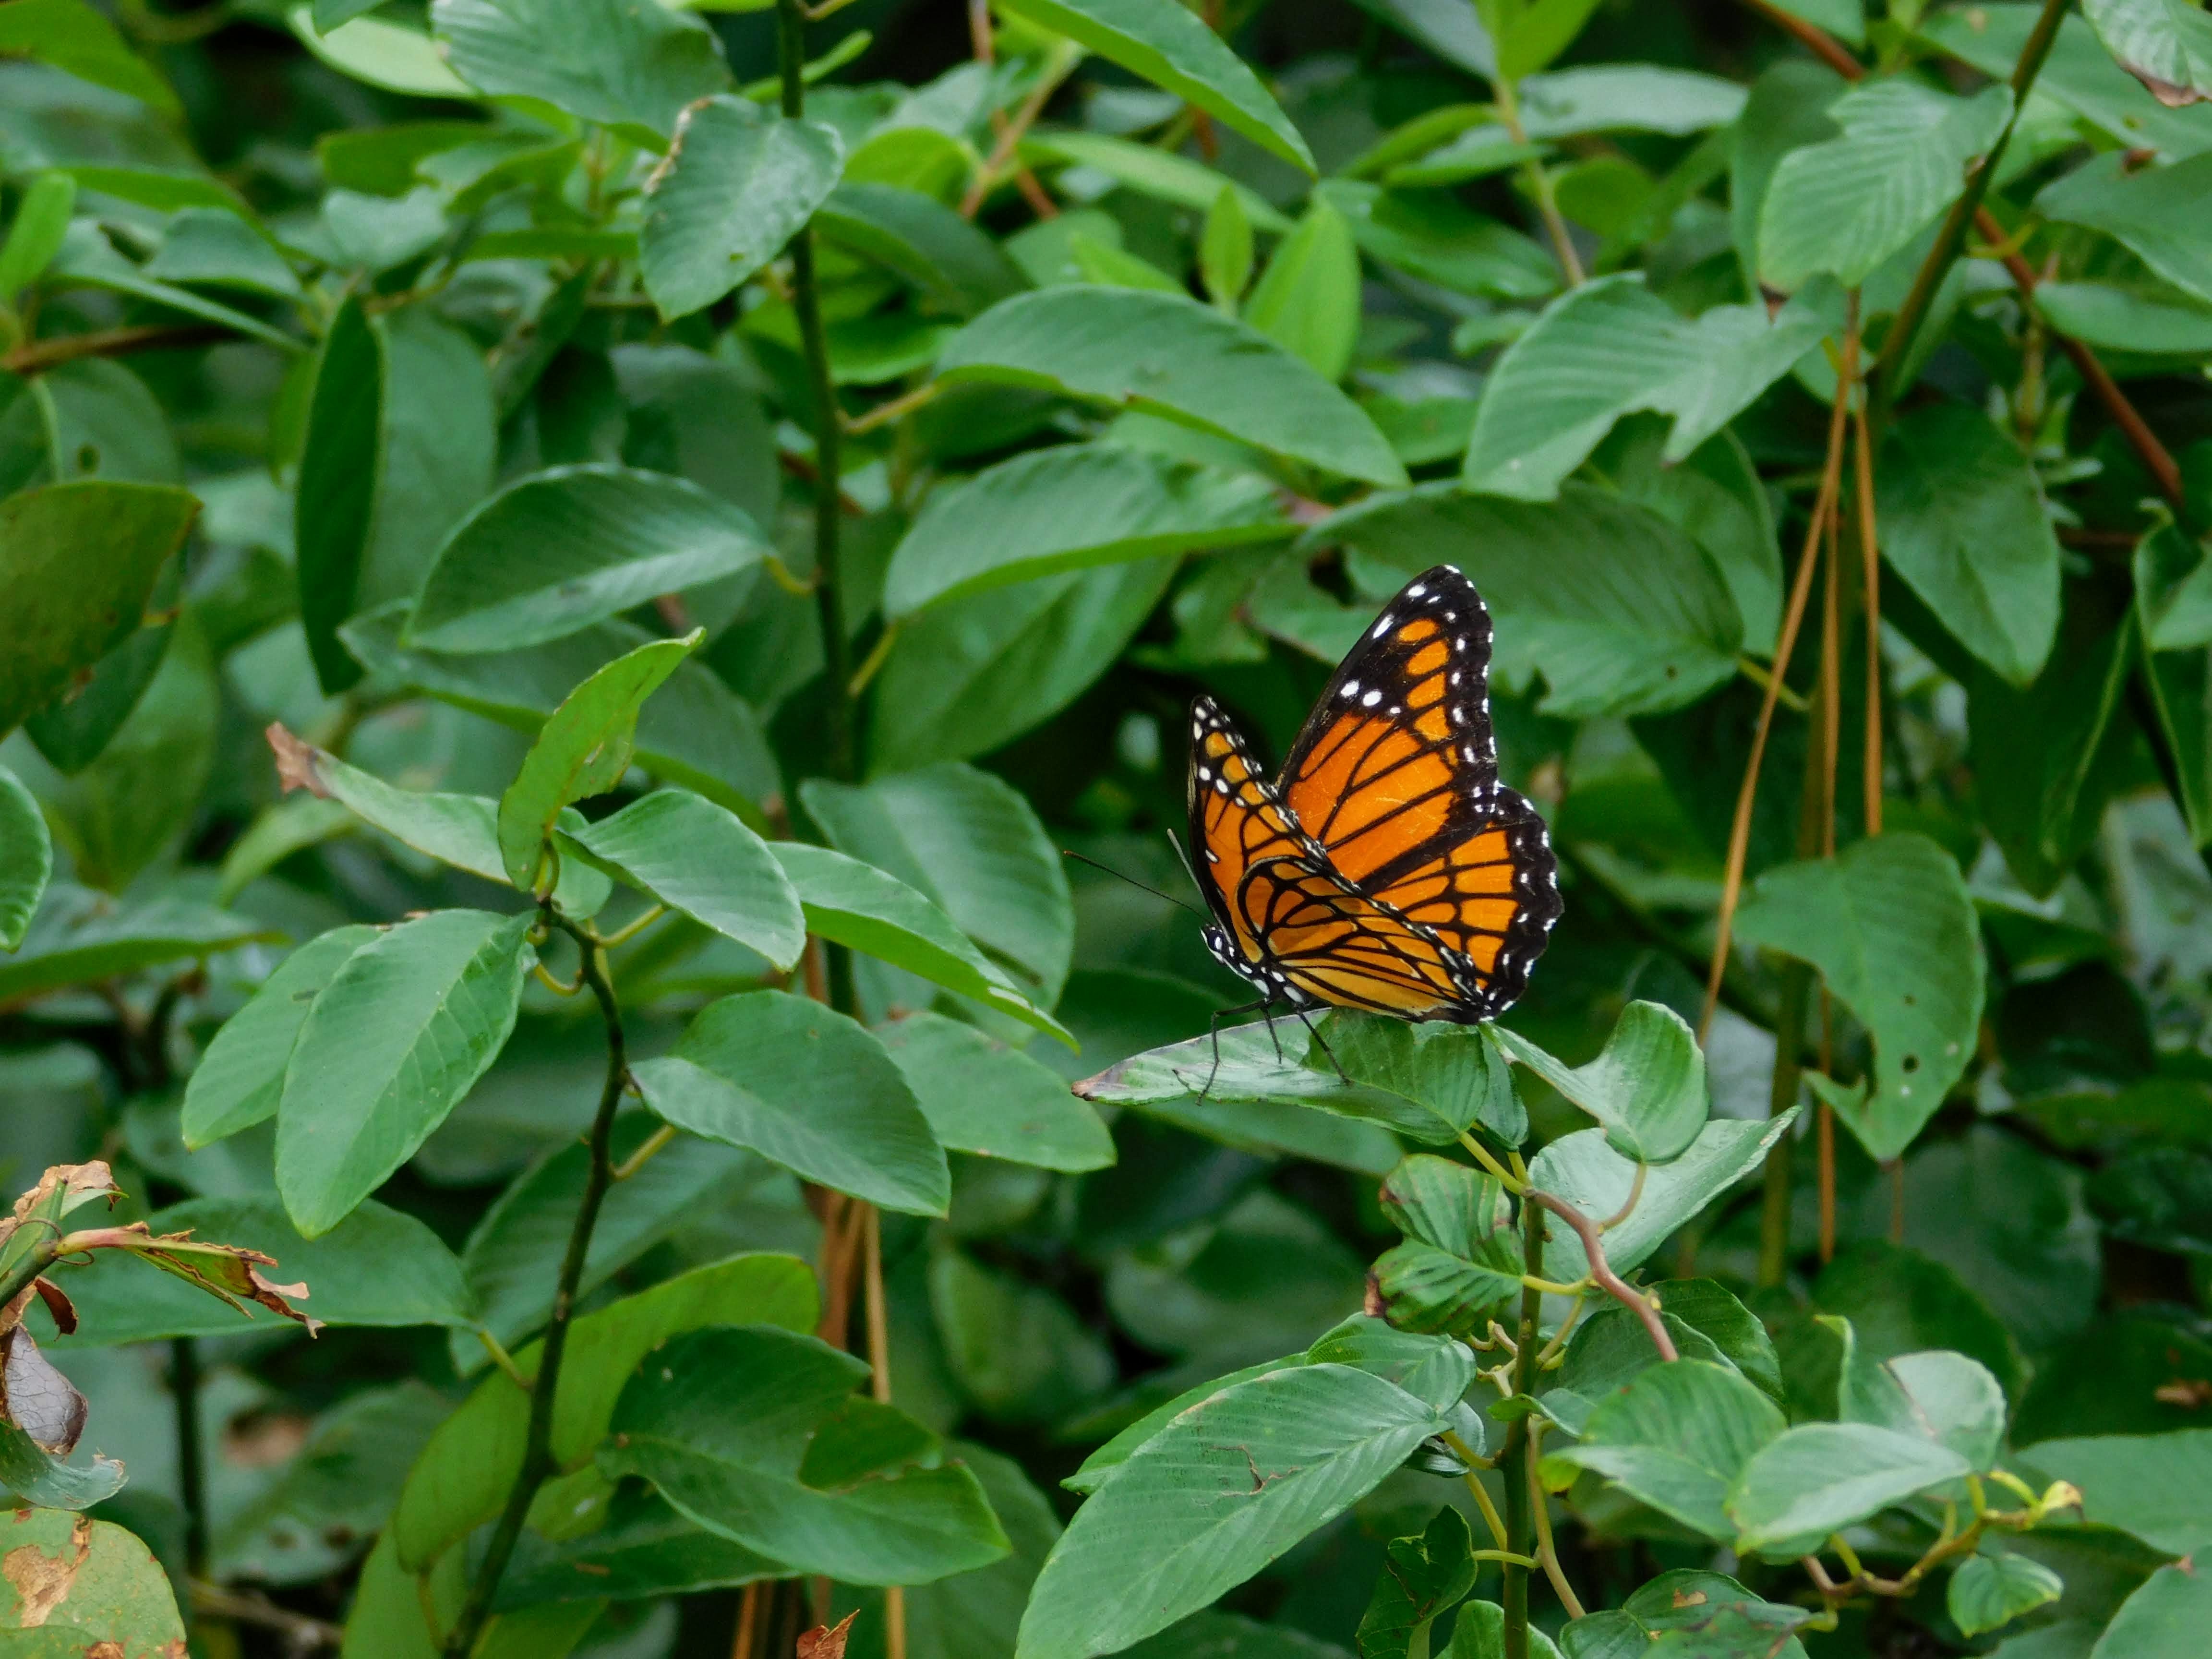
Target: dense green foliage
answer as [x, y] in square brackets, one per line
[570, 567]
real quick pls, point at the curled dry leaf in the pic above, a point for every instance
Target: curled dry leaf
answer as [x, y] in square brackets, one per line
[296, 761]
[228, 1271]
[37, 1399]
[827, 1641]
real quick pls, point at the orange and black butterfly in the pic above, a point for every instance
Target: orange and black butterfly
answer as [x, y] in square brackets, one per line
[1387, 868]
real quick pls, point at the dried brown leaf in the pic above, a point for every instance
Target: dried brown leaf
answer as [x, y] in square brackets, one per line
[826, 1641]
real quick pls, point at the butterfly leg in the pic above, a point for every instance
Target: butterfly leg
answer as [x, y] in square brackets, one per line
[1213, 1031]
[1313, 1031]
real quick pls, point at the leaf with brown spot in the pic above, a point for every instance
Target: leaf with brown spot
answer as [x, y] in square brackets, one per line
[90, 1581]
[296, 761]
[826, 1641]
[228, 1271]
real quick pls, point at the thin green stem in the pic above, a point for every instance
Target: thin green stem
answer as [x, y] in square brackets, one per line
[1540, 182]
[192, 1463]
[538, 1460]
[1518, 1521]
[1952, 239]
[1789, 1031]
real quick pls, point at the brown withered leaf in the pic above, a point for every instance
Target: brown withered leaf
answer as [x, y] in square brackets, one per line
[228, 1271]
[36, 1398]
[826, 1641]
[299, 764]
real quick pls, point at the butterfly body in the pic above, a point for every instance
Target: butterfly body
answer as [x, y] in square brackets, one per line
[1388, 868]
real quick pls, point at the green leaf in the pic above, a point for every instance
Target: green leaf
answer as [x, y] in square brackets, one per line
[69, 608]
[738, 184]
[2165, 44]
[1168, 355]
[852, 904]
[464, 1473]
[1846, 205]
[583, 750]
[462, 831]
[1428, 235]
[983, 1097]
[2156, 1487]
[37, 1475]
[808, 1088]
[1479, 1633]
[1991, 1590]
[1102, 1465]
[239, 1079]
[1475, 150]
[1072, 507]
[1889, 924]
[1612, 347]
[1589, 1174]
[75, 37]
[93, 1586]
[1627, 97]
[1901, 1302]
[645, 1549]
[1224, 252]
[2153, 212]
[1423, 1576]
[1676, 1439]
[1963, 521]
[1308, 298]
[80, 936]
[513, 1259]
[380, 53]
[629, 66]
[42, 219]
[376, 1267]
[1618, 608]
[959, 267]
[400, 1034]
[1019, 1352]
[1461, 1257]
[700, 859]
[753, 1433]
[1821, 1477]
[559, 550]
[214, 245]
[1945, 1396]
[967, 677]
[1441, 1079]
[1168, 44]
[1223, 1489]
[2148, 318]
[1611, 1347]
[1162, 174]
[1647, 1087]
[26, 858]
[2079, 74]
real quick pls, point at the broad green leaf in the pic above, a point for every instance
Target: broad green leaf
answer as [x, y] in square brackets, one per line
[73, 731]
[1070, 508]
[377, 1266]
[1168, 44]
[67, 608]
[1441, 1079]
[739, 183]
[967, 677]
[559, 550]
[1461, 1257]
[1473, 152]
[1611, 1348]
[26, 858]
[1677, 1437]
[1945, 1396]
[754, 1433]
[239, 1079]
[1611, 346]
[700, 859]
[1889, 924]
[946, 258]
[2156, 212]
[1584, 1170]
[1428, 235]
[1685, 1604]
[1168, 355]
[462, 1476]
[399, 1034]
[1422, 1577]
[855, 904]
[1162, 174]
[583, 750]
[1991, 1590]
[1963, 521]
[1102, 1465]
[972, 845]
[1224, 254]
[1017, 1350]
[1843, 206]
[1479, 1633]
[337, 486]
[807, 1087]
[462, 831]
[694, 732]
[629, 66]
[1223, 1490]
[1648, 1087]
[1618, 609]
[2156, 1487]
[2165, 44]
[1821, 1477]
[88, 259]
[73, 36]
[645, 1548]
[1901, 1302]
[380, 53]
[28, 1468]
[983, 1097]
[2151, 318]
[79, 937]
[1626, 97]
[41, 221]
[1307, 299]
[214, 245]
[512, 1258]
[88, 1587]
[976, 1613]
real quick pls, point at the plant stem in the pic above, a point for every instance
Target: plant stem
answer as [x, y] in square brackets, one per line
[36, 356]
[806, 303]
[1953, 236]
[1601, 1272]
[1539, 182]
[1515, 1460]
[537, 1462]
[191, 1465]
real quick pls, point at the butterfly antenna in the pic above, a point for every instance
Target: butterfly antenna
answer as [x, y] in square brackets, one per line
[1068, 852]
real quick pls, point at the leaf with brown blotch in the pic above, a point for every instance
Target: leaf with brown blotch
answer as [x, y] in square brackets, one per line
[228, 1271]
[296, 761]
[827, 1641]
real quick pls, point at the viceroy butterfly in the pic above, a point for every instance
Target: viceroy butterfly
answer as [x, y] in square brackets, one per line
[1387, 868]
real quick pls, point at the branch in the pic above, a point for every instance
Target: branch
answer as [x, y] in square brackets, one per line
[1602, 1273]
[36, 356]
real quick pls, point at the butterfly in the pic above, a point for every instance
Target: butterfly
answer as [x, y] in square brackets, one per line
[1387, 868]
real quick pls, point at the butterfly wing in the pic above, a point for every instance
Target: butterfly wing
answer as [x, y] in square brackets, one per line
[1396, 779]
